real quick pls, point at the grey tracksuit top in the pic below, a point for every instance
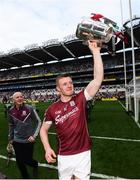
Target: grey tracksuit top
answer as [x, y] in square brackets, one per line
[23, 123]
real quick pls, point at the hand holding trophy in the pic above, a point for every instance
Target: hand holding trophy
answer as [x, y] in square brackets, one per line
[96, 28]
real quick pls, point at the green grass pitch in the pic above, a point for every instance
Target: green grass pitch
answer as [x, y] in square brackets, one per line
[116, 144]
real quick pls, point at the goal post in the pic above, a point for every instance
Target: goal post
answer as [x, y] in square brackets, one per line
[131, 95]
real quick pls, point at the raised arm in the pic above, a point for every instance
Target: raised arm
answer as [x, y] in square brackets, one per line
[98, 73]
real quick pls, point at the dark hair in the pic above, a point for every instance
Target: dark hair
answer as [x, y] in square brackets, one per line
[61, 76]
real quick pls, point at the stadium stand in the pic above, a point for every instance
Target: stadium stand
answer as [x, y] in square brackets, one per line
[33, 70]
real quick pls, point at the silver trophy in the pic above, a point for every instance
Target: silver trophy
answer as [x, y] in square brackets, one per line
[95, 29]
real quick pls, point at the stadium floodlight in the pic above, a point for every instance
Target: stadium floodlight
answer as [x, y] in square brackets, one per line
[67, 59]
[15, 67]
[28, 65]
[84, 57]
[37, 64]
[51, 62]
[50, 42]
[3, 69]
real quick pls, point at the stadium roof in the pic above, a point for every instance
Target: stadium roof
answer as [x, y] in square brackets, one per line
[53, 50]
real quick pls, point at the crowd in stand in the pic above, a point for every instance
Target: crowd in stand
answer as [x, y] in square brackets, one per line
[106, 91]
[69, 66]
[45, 69]
[81, 65]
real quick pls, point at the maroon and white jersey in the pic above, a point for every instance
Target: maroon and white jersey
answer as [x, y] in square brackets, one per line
[71, 124]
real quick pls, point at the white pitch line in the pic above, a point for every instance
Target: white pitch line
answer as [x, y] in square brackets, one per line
[137, 123]
[122, 104]
[116, 139]
[109, 138]
[55, 167]
[105, 176]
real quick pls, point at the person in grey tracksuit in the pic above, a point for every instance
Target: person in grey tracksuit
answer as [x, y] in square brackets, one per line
[24, 126]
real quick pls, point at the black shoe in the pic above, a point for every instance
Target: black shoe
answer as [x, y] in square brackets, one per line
[35, 172]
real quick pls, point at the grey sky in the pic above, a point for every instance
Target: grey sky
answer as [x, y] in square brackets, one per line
[24, 22]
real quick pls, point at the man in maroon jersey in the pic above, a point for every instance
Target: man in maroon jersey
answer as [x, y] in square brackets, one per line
[69, 116]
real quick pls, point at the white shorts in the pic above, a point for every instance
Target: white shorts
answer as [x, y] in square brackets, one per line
[78, 165]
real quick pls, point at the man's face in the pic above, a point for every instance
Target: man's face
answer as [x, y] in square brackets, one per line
[65, 86]
[18, 98]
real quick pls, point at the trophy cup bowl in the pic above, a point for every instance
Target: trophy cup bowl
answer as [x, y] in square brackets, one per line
[90, 29]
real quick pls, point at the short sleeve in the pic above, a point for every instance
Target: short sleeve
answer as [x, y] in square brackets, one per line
[47, 116]
[87, 96]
